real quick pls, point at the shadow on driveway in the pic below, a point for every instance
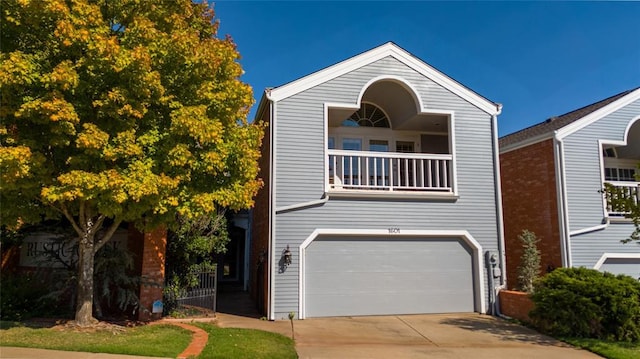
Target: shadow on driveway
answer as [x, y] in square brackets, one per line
[501, 329]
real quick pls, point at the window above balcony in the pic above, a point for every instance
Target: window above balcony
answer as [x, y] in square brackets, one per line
[387, 147]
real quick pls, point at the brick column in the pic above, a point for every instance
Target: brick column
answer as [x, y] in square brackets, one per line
[154, 246]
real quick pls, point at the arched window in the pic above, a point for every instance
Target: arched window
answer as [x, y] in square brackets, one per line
[368, 115]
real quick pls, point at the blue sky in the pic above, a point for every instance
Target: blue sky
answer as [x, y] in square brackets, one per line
[539, 59]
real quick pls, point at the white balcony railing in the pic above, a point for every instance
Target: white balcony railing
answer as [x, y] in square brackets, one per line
[390, 171]
[626, 190]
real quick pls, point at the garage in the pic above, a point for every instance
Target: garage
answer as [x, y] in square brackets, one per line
[351, 276]
[628, 266]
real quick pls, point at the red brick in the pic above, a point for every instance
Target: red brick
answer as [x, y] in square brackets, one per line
[515, 304]
[529, 201]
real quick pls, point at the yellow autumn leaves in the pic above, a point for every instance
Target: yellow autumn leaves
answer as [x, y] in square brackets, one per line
[131, 108]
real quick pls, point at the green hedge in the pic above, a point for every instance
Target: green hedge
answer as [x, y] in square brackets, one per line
[580, 302]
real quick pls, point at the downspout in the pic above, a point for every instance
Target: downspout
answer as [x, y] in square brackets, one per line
[296, 206]
[563, 215]
[499, 212]
[272, 206]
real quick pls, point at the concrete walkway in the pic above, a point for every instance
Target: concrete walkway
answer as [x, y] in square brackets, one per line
[413, 336]
[30, 353]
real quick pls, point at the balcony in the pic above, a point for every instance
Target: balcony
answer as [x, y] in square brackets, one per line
[629, 191]
[385, 172]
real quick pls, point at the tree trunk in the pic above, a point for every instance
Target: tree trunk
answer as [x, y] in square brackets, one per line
[84, 308]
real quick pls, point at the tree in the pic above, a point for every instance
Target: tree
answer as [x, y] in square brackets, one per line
[120, 110]
[529, 268]
[626, 200]
[190, 249]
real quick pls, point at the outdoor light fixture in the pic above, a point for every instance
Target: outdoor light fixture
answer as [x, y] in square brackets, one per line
[286, 254]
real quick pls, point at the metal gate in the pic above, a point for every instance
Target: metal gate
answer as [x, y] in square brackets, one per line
[204, 294]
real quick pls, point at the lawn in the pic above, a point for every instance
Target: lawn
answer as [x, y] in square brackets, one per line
[151, 340]
[245, 343]
[611, 350]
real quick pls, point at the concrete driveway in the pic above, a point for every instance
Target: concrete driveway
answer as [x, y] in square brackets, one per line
[413, 336]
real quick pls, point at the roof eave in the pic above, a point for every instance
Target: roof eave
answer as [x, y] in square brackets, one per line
[375, 54]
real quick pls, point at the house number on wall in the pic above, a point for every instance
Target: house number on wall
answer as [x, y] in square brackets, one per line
[394, 230]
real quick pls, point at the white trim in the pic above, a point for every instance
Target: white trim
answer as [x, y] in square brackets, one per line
[291, 207]
[590, 229]
[396, 194]
[380, 52]
[402, 82]
[608, 255]
[272, 223]
[478, 258]
[563, 217]
[628, 129]
[598, 114]
[498, 187]
[453, 150]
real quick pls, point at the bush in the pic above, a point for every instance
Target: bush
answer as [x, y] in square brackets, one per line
[28, 295]
[529, 268]
[580, 302]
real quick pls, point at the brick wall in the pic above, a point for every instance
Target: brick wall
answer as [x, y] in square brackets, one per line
[152, 249]
[258, 276]
[515, 304]
[529, 200]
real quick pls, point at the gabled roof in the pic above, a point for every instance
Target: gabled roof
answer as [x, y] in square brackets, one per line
[375, 54]
[568, 122]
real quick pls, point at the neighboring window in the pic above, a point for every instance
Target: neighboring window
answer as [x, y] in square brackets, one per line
[368, 115]
[619, 174]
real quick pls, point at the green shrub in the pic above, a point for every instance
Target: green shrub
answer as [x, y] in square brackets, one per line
[580, 302]
[28, 295]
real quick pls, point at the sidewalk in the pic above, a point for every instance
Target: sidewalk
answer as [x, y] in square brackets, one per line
[30, 353]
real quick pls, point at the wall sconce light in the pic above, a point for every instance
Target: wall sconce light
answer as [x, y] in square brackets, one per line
[286, 254]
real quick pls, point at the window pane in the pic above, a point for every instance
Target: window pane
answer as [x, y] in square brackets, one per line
[404, 147]
[379, 146]
[352, 144]
[610, 174]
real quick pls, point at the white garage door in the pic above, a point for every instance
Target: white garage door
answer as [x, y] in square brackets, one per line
[348, 276]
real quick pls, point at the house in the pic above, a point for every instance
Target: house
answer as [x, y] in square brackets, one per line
[381, 193]
[552, 175]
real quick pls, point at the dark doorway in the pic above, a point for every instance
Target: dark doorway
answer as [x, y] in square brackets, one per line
[231, 263]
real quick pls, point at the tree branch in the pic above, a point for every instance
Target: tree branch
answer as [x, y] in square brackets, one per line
[107, 236]
[82, 216]
[69, 217]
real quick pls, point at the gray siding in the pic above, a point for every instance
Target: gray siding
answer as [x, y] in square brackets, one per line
[589, 247]
[583, 181]
[300, 173]
[582, 166]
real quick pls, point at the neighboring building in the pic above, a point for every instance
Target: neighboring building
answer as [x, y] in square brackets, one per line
[552, 175]
[381, 188]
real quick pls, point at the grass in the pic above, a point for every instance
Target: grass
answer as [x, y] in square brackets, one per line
[151, 340]
[245, 343]
[611, 350]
